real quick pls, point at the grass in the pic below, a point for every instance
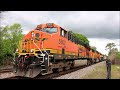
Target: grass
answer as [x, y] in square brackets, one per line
[115, 73]
[100, 72]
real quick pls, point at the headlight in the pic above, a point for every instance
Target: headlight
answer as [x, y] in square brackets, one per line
[32, 34]
[49, 24]
[46, 58]
[31, 50]
[17, 50]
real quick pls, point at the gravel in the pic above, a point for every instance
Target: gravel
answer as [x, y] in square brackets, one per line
[6, 75]
[6, 67]
[79, 74]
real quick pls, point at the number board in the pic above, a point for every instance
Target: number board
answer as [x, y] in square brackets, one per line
[61, 41]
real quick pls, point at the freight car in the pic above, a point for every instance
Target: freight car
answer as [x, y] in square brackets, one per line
[50, 48]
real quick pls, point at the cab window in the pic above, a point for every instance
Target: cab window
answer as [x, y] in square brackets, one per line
[37, 35]
[50, 30]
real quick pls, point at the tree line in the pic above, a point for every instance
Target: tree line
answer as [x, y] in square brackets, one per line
[111, 47]
[9, 40]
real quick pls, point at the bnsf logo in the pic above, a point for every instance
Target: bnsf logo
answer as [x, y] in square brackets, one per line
[61, 41]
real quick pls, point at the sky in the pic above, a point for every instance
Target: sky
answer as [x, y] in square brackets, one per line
[100, 27]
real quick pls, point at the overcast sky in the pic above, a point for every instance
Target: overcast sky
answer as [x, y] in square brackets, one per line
[100, 27]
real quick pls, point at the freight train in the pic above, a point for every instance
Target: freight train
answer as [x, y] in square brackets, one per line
[49, 48]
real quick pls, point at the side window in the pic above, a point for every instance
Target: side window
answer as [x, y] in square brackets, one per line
[63, 33]
[71, 37]
[68, 35]
[75, 40]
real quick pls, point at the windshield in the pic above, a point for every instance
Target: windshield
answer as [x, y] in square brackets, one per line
[50, 30]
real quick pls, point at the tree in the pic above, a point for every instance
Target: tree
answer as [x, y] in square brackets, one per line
[118, 55]
[9, 39]
[114, 50]
[93, 47]
[82, 37]
[109, 47]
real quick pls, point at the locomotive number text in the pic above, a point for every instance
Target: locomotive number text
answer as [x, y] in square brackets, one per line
[61, 41]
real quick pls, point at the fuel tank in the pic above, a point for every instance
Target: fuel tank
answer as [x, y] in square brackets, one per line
[80, 62]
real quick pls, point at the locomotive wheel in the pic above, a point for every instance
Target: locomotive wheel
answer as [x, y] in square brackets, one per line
[60, 69]
[67, 68]
[91, 61]
[72, 65]
[50, 70]
[88, 63]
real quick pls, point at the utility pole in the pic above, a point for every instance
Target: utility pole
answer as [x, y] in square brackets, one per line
[108, 65]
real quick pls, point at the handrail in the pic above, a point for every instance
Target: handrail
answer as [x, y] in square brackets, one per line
[37, 46]
[40, 57]
[43, 48]
[46, 53]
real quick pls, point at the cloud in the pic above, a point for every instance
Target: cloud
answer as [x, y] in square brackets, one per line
[100, 44]
[100, 27]
[93, 24]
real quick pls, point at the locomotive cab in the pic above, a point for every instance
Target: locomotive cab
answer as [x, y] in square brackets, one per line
[49, 28]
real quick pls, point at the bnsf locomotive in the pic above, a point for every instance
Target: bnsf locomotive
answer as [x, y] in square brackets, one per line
[50, 48]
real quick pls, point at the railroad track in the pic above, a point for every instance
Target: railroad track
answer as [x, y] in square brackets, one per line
[58, 74]
[18, 77]
[49, 76]
[53, 75]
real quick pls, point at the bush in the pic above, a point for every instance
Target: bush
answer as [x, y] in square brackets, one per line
[9, 41]
[118, 55]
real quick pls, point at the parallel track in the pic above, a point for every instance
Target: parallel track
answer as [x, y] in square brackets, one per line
[5, 70]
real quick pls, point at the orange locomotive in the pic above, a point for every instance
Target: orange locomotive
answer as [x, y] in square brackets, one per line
[50, 48]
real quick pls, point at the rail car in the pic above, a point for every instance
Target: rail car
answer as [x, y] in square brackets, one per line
[50, 48]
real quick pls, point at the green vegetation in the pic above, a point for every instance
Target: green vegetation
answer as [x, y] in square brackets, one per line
[112, 49]
[94, 48]
[118, 55]
[82, 37]
[100, 72]
[84, 40]
[9, 40]
[109, 47]
[115, 72]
